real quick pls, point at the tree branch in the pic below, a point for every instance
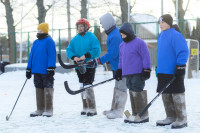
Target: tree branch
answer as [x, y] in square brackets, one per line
[25, 15]
[187, 5]
[2, 2]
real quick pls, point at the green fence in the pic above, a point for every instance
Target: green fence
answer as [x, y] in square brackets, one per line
[144, 30]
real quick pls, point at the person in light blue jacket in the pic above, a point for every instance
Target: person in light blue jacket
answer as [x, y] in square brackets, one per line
[42, 63]
[113, 41]
[172, 57]
[83, 47]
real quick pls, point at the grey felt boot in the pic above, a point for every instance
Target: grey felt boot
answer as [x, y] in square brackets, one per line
[169, 110]
[48, 93]
[179, 104]
[39, 102]
[90, 97]
[120, 102]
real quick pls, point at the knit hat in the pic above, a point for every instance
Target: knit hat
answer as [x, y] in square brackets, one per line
[44, 27]
[166, 18]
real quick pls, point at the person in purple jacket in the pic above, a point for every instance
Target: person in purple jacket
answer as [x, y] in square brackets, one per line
[134, 64]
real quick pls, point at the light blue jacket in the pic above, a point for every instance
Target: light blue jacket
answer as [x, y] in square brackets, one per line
[42, 56]
[172, 51]
[80, 45]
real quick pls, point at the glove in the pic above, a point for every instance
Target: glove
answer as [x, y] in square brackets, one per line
[94, 62]
[81, 69]
[145, 74]
[180, 70]
[28, 73]
[118, 74]
[50, 71]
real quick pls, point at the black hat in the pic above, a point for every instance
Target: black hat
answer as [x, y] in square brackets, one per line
[166, 18]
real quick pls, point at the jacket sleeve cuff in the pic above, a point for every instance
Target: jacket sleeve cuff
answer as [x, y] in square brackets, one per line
[87, 55]
[73, 57]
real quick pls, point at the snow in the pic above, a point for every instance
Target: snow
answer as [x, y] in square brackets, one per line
[67, 107]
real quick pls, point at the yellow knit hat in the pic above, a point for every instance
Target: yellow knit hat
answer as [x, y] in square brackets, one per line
[44, 27]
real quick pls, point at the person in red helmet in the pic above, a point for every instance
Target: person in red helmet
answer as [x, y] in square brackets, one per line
[83, 47]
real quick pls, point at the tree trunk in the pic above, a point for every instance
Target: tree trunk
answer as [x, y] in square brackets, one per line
[11, 30]
[41, 11]
[181, 14]
[84, 9]
[181, 11]
[124, 10]
[69, 20]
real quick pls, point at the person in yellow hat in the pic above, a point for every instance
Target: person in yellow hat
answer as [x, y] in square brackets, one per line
[42, 64]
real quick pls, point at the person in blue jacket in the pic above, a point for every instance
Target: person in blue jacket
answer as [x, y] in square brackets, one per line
[42, 63]
[83, 47]
[113, 41]
[171, 61]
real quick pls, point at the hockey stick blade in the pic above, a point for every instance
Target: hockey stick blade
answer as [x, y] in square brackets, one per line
[69, 66]
[81, 90]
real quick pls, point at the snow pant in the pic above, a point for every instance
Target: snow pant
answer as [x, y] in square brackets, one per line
[177, 85]
[88, 97]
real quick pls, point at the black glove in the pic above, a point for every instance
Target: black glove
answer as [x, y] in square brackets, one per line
[50, 71]
[94, 62]
[28, 73]
[180, 70]
[145, 74]
[118, 74]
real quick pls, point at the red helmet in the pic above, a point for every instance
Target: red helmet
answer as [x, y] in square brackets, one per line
[84, 22]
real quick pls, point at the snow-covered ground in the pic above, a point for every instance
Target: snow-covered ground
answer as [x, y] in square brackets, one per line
[67, 118]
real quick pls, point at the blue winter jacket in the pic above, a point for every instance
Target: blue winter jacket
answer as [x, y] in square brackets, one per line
[113, 41]
[172, 51]
[81, 45]
[42, 56]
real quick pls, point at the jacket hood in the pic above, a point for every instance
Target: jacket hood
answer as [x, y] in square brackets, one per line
[127, 29]
[107, 21]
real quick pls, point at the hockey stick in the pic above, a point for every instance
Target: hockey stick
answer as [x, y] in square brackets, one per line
[8, 117]
[81, 90]
[148, 105]
[69, 66]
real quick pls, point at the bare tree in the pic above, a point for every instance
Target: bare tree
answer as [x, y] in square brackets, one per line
[181, 11]
[124, 10]
[11, 30]
[42, 11]
[83, 8]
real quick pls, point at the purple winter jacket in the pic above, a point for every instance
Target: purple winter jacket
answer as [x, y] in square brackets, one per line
[133, 57]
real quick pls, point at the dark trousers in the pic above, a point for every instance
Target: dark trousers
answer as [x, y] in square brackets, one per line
[43, 81]
[88, 77]
[176, 87]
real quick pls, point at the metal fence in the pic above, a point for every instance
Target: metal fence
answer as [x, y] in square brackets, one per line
[143, 30]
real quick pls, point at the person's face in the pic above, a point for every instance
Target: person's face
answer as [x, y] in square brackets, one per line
[123, 35]
[80, 28]
[163, 25]
[40, 31]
